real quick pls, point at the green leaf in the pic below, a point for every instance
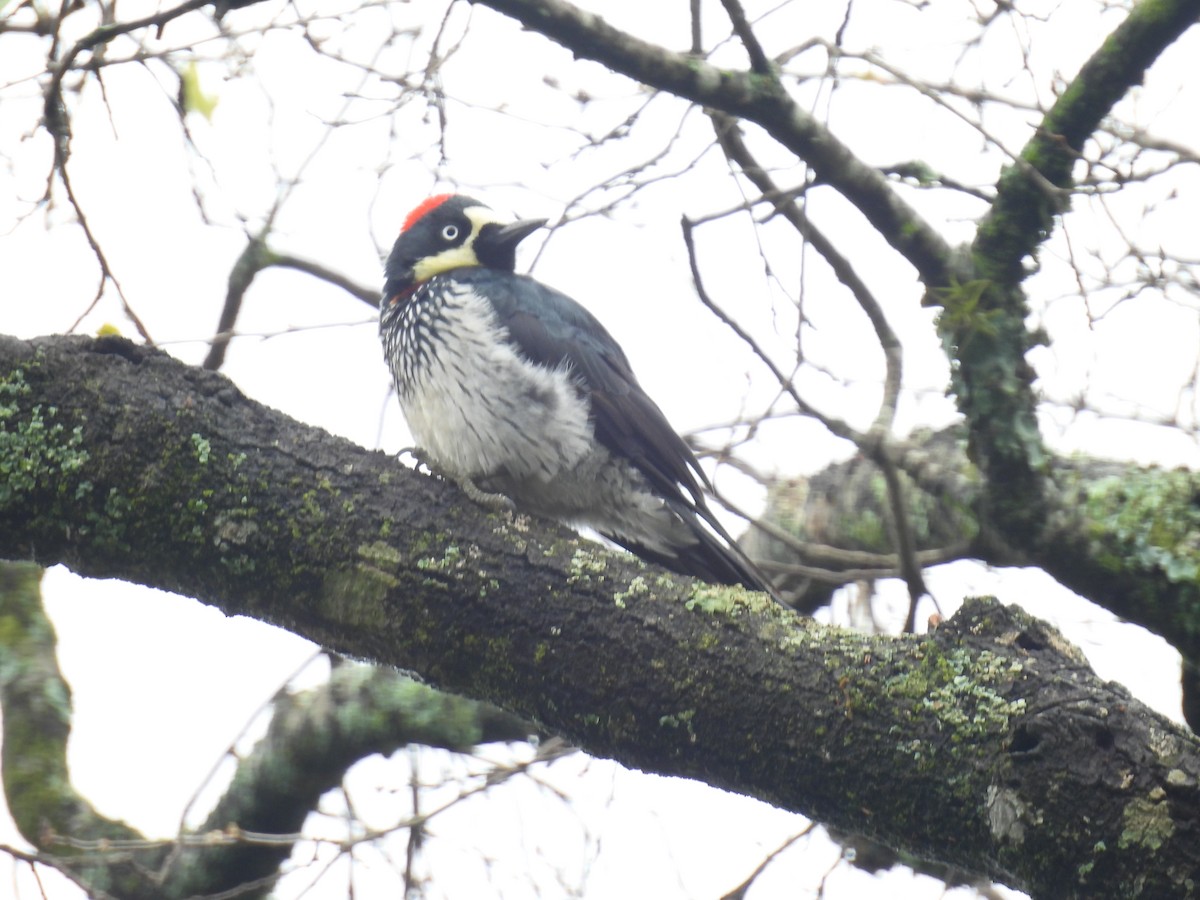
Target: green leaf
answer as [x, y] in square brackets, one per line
[192, 95]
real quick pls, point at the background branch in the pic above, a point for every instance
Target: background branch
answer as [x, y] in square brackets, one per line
[313, 738]
[753, 98]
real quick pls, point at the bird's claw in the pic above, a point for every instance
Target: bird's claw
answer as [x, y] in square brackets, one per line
[496, 501]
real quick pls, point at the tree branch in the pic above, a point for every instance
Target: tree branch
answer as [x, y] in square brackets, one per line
[1120, 534]
[748, 95]
[983, 323]
[759, 64]
[36, 701]
[879, 438]
[1030, 193]
[256, 257]
[313, 738]
[987, 744]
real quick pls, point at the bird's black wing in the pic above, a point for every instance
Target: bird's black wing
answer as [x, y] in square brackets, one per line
[551, 329]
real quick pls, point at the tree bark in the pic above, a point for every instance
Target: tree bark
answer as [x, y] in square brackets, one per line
[988, 744]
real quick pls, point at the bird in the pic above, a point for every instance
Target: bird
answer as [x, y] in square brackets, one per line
[520, 395]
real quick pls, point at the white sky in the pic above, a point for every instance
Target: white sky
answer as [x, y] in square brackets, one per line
[162, 685]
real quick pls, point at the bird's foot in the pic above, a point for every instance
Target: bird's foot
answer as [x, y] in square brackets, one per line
[496, 501]
[491, 500]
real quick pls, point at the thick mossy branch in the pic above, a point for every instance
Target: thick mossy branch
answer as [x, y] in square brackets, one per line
[1122, 535]
[983, 319]
[982, 326]
[1129, 539]
[983, 323]
[988, 744]
[1031, 192]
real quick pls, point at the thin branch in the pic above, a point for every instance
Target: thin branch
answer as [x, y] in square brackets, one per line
[256, 257]
[739, 892]
[730, 140]
[697, 35]
[910, 570]
[56, 120]
[759, 63]
[747, 95]
[735, 148]
[248, 264]
[106, 272]
[367, 295]
[841, 565]
[836, 426]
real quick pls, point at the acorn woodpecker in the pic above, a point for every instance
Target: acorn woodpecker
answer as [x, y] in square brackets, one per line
[516, 391]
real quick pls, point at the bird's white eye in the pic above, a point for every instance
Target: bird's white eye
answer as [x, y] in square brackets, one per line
[450, 232]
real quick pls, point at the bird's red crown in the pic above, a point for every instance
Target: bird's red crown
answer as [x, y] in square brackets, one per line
[425, 206]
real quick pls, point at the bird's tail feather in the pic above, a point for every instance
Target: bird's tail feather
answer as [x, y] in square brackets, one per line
[712, 555]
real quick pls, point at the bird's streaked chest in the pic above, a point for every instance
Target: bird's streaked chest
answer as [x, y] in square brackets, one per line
[475, 405]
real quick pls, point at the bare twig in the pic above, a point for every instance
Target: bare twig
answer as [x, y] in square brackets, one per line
[759, 63]
[106, 272]
[735, 148]
[748, 95]
[837, 426]
[739, 892]
[367, 295]
[251, 261]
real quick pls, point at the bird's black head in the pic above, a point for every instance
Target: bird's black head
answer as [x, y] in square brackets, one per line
[447, 232]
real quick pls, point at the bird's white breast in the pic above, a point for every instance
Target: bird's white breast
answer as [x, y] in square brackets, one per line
[478, 408]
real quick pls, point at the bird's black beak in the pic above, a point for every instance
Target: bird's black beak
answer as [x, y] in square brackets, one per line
[496, 245]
